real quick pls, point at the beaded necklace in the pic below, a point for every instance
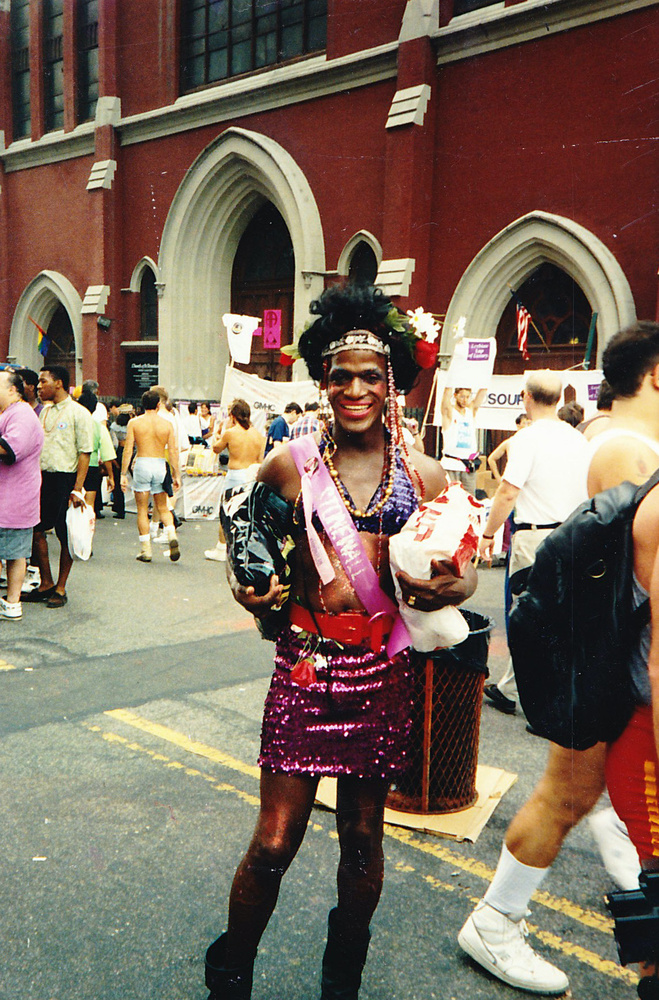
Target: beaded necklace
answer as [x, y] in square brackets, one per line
[389, 465]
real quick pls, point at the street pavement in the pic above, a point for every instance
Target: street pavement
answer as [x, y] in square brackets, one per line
[129, 727]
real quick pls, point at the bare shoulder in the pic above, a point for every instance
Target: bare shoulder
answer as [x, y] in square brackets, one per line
[620, 459]
[279, 471]
[431, 472]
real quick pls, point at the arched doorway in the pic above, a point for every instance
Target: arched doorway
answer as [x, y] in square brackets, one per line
[48, 295]
[62, 350]
[228, 183]
[514, 255]
[562, 314]
[263, 278]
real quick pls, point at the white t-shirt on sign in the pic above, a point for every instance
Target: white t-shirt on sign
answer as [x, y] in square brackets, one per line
[548, 461]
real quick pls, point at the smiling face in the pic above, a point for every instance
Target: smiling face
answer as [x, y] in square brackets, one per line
[357, 389]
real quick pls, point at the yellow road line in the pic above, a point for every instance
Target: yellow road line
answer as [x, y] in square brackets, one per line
[160, 758]
[180, 740]
[6, 666]
[589, 918]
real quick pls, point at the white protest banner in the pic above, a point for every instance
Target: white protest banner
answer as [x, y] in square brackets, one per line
[240, 330]
[472, 363]
[265, 398]
[201, 497]
[502, 403]
[586, 386]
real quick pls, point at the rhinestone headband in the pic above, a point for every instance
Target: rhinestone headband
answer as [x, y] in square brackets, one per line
[356, 340]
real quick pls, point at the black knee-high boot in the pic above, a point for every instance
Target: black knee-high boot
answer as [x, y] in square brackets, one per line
[225, 983]
[343, 961]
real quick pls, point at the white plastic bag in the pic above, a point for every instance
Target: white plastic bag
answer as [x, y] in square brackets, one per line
[446, 528]
[80, 524]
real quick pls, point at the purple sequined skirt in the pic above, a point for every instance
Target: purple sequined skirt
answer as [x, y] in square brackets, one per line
[354, 719]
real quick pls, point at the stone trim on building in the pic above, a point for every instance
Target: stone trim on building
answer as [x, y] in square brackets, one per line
[497, 26]
[394, 277]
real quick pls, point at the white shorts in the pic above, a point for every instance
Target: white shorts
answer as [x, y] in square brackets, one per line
[149, 475]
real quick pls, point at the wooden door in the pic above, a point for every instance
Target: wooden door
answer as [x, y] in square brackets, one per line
[263, 278]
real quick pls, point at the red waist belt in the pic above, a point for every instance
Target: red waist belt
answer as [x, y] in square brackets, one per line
[350, 627]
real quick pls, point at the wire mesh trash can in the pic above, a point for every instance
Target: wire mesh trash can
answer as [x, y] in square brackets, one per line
[448, 693]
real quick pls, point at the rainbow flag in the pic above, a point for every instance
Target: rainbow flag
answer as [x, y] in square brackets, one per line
[43, 343]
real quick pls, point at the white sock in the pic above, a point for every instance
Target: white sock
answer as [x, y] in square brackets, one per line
[170, 532]
[513, 885]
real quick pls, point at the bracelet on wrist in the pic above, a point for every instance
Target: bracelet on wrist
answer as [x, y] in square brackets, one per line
[489, 537]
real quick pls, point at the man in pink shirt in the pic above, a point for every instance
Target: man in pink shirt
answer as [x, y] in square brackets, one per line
[21, 440]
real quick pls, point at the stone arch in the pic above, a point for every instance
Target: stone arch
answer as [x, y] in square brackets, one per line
[138, 271]
[510, 258]
[363, 236]
[39, 300]
[228, 182]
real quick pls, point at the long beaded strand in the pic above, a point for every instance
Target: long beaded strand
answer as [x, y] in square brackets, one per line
[395, 432]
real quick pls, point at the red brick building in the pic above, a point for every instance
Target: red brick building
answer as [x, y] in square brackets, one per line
[167, 161]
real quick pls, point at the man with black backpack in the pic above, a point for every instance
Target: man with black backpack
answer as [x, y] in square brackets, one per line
[574, 779]
[544, 480]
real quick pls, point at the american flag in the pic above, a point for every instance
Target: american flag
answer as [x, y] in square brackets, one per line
[523, 317]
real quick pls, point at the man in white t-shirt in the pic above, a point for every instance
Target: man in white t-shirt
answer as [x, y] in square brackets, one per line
[459, 439]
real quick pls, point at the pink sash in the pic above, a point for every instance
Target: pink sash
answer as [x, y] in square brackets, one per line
[319, 492]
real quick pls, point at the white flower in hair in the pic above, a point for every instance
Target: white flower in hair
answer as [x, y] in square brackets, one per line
[424, 324]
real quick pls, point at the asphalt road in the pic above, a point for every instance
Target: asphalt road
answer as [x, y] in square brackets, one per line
[129, 726]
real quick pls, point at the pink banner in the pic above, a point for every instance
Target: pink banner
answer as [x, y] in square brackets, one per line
[344, 537]
[272, 329]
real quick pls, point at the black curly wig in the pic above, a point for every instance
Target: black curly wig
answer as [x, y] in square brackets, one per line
[341, 309]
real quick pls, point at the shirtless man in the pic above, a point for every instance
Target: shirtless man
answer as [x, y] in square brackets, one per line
[245, 445]
[573, 779]
[155, 440]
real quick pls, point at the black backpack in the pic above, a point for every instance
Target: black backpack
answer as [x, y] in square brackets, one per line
[571, 631]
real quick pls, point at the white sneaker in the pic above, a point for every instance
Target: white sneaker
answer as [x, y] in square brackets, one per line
[218, 554]
[8, 610]
[499, 944]
[32, 579]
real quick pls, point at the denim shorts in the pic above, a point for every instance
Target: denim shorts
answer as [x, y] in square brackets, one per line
[149, 475]
[15, 543]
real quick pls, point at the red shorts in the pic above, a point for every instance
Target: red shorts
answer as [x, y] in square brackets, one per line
[632, 770]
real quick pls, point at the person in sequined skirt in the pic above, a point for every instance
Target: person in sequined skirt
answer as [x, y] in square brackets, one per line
[351, 717]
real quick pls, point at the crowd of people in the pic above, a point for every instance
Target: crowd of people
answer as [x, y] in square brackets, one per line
[339, 704]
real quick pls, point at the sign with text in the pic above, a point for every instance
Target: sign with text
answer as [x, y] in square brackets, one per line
[141, 372]
[472, 363]
[272, 329]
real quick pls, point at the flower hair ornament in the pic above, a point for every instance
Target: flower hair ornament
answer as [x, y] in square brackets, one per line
[420, 331]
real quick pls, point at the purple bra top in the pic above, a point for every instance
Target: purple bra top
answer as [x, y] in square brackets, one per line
[398, 509]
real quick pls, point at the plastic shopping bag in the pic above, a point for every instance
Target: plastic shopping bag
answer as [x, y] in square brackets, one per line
[444, 529]
[80, 524]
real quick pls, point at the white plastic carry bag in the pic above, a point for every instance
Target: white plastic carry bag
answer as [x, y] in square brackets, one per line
[446, 528]
[80, 524]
